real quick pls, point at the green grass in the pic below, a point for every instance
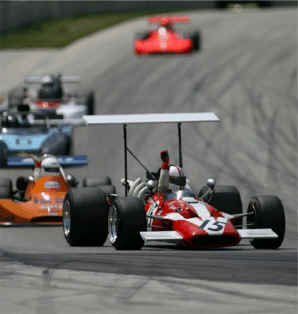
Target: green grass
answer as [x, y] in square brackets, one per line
[60, 33]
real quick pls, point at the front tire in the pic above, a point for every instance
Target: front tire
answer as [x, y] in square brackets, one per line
[226, 198]
[85, 217]
[267, 211]
[126, 219]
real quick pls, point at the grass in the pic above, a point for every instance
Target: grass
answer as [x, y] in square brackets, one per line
[60, 33]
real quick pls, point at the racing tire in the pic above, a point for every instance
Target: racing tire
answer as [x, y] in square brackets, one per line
[226, 198]
[104, 184]
[196, 41]
[3, 155]
[85, 217]
[267, 211]
[142, 35]
[92, 182]
[5, 188]
[90, 102]
[127, 218]
[57, 145]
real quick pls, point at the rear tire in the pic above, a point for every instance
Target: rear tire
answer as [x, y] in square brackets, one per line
[196, 41]
[90, 103]
[85, 217]
[226, 198]
[268, 212]
[126, 219]
[105, 184]
[5, 188]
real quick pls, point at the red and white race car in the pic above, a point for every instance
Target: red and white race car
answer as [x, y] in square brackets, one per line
[211, 218]
[52, 93]
[165, 39]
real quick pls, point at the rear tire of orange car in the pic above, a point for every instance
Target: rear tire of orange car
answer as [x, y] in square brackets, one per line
[267, 211]
[5, 188]
[85, 217]
[127, 218]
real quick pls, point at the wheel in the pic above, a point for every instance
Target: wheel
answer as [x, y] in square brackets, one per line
[58, 144]
[196, 41]
[267, 212]
[142, 35]
[226, 198]
[85, 217]
[5, 188]
[3, 155]
[126, 219]
[97, 182]
[90, 103]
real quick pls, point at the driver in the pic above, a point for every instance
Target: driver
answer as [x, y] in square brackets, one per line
[48, 166]
[51, 87]
[170, 178]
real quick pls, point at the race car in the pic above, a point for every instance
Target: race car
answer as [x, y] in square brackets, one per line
[211, 218]
[53, 92]
[38, 198]
[34, 132]
[165, 39]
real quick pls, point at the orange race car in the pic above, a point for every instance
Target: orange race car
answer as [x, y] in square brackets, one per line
[38, 198]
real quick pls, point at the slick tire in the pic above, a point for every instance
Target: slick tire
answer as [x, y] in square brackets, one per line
[85, 217]
[5, 188]
[3, 155]
[90, 102]
[196, 41]
[126, 219]
[60, 145]
[226, 198]
[105, 184]
[141, 35]
[267, 211]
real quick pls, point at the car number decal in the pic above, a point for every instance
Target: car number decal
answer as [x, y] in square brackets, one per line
[212, 226]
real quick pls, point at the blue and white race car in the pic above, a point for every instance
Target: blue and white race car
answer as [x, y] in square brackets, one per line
[37, 133]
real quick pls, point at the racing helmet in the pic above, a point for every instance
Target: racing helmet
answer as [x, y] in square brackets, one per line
[47, 81]
[177, 179]
[50, 164]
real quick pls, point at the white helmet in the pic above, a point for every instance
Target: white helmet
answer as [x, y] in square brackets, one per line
[50, 164]
[177, 178]
[47, 80]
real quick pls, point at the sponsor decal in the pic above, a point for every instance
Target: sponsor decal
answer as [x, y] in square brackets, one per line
[52, 185]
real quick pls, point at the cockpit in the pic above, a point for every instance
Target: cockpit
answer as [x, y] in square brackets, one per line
[177, 195]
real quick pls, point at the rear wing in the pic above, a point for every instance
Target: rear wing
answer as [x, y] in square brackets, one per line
[168, 19]
[152, 118]
[36, 79]
[79, 160]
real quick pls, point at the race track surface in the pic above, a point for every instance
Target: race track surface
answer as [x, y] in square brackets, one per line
[247, 74]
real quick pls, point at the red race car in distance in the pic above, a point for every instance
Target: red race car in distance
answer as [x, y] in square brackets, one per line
[165, 39]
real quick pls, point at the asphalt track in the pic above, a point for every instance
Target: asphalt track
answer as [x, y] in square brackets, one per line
[247, 74]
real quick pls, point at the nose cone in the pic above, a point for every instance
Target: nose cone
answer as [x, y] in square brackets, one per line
[208, 234]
